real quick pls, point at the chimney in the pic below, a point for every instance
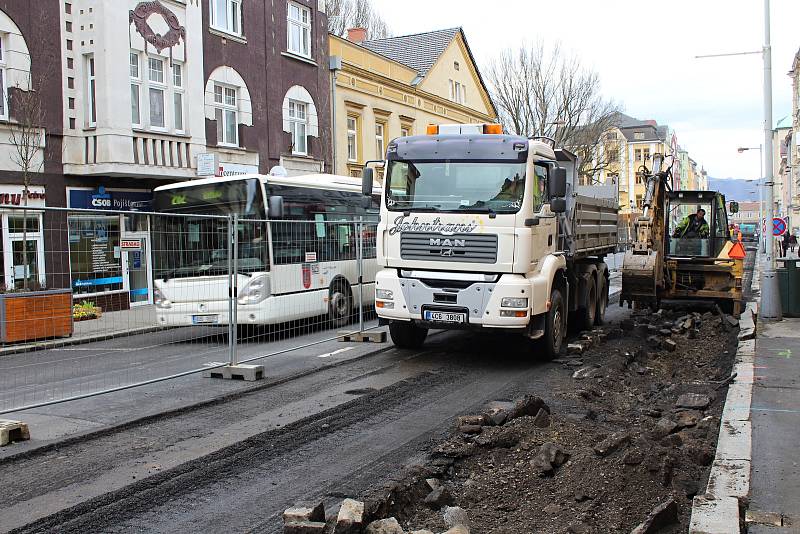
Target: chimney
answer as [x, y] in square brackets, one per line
[651, 122]
[357, 35]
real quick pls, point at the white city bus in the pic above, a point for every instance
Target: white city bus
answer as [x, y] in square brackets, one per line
[297, 254]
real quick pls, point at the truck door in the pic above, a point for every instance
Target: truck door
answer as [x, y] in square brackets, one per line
[543, 233]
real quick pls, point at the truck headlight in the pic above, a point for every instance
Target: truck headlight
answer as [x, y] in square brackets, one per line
[384, 294]
[254, 291]
[384, 305]
[514, 302]
[160, 301]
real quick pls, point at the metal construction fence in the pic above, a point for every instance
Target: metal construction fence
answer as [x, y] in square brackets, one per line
[96, 301]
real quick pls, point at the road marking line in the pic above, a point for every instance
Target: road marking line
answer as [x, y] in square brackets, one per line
[328, 354]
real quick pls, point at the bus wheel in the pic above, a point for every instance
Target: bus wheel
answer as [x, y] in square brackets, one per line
[587, 314]
[407, 335]
[553, 327]
[340, 305]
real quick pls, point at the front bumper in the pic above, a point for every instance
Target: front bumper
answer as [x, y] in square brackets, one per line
[480, 300]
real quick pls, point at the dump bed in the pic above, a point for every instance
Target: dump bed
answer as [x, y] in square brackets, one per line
[589, 225]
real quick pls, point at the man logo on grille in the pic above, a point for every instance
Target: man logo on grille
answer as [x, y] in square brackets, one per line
[439, 242]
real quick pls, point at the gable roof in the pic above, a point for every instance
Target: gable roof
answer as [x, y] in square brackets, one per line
[418, 51]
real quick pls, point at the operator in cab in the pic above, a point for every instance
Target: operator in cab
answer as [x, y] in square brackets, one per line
[693, 226]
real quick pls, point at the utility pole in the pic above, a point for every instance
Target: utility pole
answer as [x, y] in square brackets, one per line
[770, 306]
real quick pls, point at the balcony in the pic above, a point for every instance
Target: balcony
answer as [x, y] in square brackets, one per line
[138, 154]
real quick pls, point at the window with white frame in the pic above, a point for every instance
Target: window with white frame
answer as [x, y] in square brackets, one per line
[457, 92]
[299, 30]
[3, 88]
[91, 102]
[156, 90]
[136, 89]
[177, 97]
[226, 15]
[352, 139]
[225, 113]
[380, 146]
[298, 127]
[405, 131]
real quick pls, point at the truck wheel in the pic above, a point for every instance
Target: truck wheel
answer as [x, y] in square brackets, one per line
[407, 335]
[553, 327]
[340, 305]
[602, 304]
[586, 315]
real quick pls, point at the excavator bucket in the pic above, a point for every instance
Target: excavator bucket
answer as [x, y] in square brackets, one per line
[639, 277]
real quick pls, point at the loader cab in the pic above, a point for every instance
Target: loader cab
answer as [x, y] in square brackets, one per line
[686, 236]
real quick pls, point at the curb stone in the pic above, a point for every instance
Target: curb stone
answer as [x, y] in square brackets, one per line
[717, 511]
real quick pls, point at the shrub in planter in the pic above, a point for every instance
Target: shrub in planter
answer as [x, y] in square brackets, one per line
[85, 311]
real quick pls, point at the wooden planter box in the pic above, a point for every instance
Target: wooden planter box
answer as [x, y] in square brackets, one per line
[35, 315]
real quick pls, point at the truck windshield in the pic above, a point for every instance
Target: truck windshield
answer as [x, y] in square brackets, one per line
[487, 186]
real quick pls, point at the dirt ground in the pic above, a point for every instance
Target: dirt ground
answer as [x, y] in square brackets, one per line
[625, 448]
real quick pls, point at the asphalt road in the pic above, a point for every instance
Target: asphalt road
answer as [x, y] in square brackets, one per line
[234, 466]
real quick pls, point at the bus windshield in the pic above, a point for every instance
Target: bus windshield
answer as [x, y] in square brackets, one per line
[478, 187]
[196, 246]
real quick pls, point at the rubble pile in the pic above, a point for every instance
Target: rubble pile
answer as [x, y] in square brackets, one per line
[622, 447]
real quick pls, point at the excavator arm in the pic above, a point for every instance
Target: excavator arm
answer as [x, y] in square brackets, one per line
[643, 266]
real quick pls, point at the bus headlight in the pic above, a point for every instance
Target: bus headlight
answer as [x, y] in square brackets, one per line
[254, 291]
[384, 294]
[160, 301]
[514, 302]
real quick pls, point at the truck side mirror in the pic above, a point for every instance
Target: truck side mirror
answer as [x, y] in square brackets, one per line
[367, 179]
[557, 185]
[275, 207]
[558, 205]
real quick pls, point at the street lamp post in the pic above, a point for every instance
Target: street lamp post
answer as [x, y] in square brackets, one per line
[761, 221]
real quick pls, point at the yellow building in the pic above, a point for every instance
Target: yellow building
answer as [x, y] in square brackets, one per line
[387, 88]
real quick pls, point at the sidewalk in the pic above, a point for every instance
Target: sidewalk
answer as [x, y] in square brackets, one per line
[138, 320]
[775, 414]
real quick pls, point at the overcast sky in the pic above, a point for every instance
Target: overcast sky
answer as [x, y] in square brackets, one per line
[644, 52]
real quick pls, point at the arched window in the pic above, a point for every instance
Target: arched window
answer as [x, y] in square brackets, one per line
[227, 101]
[15, 62]
[300, 118]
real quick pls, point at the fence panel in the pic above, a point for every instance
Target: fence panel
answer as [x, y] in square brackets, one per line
[98, 301]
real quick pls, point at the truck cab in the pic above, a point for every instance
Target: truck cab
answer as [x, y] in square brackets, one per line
[473, 235]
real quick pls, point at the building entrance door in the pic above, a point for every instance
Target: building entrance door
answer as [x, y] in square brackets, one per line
[138, 270]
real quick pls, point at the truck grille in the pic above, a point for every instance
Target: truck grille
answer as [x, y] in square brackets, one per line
[479, 248]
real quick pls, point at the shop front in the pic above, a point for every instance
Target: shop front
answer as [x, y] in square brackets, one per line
[22, 262]
[110, 256]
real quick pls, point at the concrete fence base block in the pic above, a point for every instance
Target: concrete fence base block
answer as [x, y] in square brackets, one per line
[714, 515]
[738, 401]
[363, 337]
[248, 373]
[13, 431]
[730, 478]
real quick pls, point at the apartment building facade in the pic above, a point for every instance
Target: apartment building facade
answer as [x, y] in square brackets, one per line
[137, 93]
[387, 88]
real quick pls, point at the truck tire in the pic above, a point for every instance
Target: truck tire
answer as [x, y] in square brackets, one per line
[554, 327]
[340, 304]
[587, 314]
[602, 304]
[407, 335]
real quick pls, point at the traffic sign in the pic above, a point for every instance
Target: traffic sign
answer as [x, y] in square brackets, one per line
[778, 226]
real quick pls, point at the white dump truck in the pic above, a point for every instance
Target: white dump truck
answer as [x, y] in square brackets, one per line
[485, 231]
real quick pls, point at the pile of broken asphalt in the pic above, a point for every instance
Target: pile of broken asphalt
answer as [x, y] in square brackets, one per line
[629, 454]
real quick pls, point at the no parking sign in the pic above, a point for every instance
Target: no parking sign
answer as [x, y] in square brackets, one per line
[778, 226]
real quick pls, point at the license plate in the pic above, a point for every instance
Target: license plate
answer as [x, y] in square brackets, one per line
[205, 319]
[445, 317]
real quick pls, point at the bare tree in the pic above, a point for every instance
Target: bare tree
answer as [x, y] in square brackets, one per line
[550, 93]
[346, 14]
[28, 136]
